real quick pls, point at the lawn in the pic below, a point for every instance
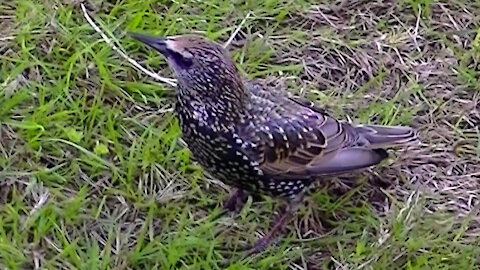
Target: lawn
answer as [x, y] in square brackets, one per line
[93, 174]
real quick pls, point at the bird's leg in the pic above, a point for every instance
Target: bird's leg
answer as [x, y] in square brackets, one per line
[282, 219]
[236, 200]
[265, 241]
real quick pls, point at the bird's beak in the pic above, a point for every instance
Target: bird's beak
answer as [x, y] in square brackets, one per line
[159, 44]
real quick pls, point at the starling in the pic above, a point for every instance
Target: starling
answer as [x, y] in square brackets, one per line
[258, 138]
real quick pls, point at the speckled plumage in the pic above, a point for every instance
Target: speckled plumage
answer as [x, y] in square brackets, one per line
[258, 138]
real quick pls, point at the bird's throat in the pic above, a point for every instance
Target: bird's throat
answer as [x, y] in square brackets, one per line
[218, 104]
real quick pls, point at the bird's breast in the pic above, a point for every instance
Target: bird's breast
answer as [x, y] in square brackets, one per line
[218, 149]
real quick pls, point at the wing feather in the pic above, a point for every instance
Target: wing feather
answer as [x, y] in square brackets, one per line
[295, 139]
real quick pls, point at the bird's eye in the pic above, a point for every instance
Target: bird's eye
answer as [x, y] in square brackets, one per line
[181, 60]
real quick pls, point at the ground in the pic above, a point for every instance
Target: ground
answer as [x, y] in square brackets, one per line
[93, 176]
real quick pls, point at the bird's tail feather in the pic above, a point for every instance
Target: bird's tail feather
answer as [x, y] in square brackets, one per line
[384, 136]
[348, 159]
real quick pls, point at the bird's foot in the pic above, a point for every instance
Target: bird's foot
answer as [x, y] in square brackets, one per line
[262, 244]
[236, 201]
[282, 219]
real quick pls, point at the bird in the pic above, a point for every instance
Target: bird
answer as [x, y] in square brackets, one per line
[260, 139]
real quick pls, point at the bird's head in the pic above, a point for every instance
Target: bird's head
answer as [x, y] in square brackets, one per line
[202, 67]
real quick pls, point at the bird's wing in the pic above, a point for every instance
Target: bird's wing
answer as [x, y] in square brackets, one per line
[304, 142]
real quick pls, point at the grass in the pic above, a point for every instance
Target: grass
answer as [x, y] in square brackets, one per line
[92, 174]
